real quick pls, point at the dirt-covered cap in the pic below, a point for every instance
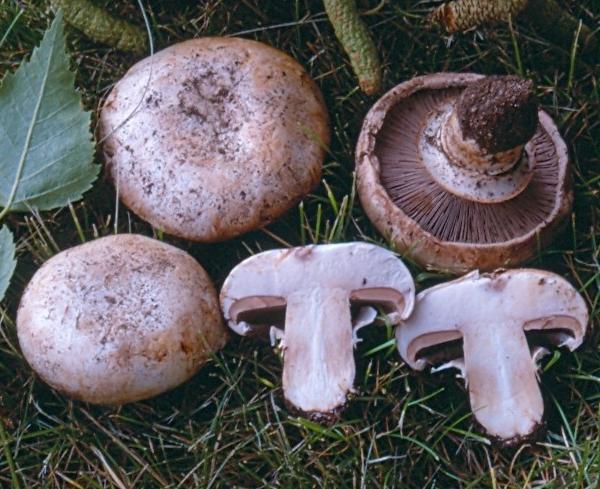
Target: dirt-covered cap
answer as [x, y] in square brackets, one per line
[214, 137]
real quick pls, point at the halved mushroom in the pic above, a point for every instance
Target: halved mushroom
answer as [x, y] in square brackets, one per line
[494, 327]
[463, 171]
[305, 297]
[119, 319]
[213, 137]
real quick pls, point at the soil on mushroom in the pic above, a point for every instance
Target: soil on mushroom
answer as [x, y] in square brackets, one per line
[220, 139]
[499, 113]
[211, 100]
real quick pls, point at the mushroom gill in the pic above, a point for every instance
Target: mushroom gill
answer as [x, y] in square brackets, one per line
[446, 216]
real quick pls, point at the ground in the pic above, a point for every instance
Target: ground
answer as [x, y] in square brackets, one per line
[228, 427]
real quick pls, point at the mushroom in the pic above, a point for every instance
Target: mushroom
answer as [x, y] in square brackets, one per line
[119, 319]
[305, 296]
[214, 137]
[462, 171]
[494, 328]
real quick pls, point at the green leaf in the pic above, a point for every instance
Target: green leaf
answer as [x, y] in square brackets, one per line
[7, 259]
[46, 149]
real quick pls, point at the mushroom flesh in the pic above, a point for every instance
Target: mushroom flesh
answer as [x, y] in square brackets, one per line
[119, 319]
[305, 296]
[505, 321]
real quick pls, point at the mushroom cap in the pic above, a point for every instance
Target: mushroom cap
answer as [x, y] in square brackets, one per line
[119, 319]
[435, 228]
[371, 275]
[214, 137]
[534, 300]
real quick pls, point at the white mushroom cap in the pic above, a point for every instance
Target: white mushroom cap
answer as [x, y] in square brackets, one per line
[214, 137]
[367, 273]
[311, 290]
[119, 319]
[492, 313]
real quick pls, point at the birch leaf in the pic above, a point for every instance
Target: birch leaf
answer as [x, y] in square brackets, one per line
[7, 259]
[46, 149]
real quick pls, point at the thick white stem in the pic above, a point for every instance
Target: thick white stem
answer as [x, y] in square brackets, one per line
[466, 153]
[503, 388]
[318, 370]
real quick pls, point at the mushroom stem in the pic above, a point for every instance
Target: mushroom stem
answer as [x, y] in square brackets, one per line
[318, 369]
[467, 154]
[490, 124]
[502, 378]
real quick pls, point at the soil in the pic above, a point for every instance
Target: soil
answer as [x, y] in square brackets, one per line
[498, 112]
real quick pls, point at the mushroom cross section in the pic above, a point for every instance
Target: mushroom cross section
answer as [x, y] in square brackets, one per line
[314, 298]
[505, 321]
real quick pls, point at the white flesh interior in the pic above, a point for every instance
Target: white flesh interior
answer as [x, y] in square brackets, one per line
[318, 366]
[503, 388]
[492, 314]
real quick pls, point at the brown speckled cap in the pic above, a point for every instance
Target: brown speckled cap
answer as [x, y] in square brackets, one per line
[119, 319]
[443, 211]
[214, 137]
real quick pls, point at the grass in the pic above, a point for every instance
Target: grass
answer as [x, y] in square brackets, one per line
[228, 427]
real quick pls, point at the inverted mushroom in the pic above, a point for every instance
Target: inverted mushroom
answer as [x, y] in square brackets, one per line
[305, 297]
[505, 322]
[463, 171]
[119, 319]
[214, 137]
